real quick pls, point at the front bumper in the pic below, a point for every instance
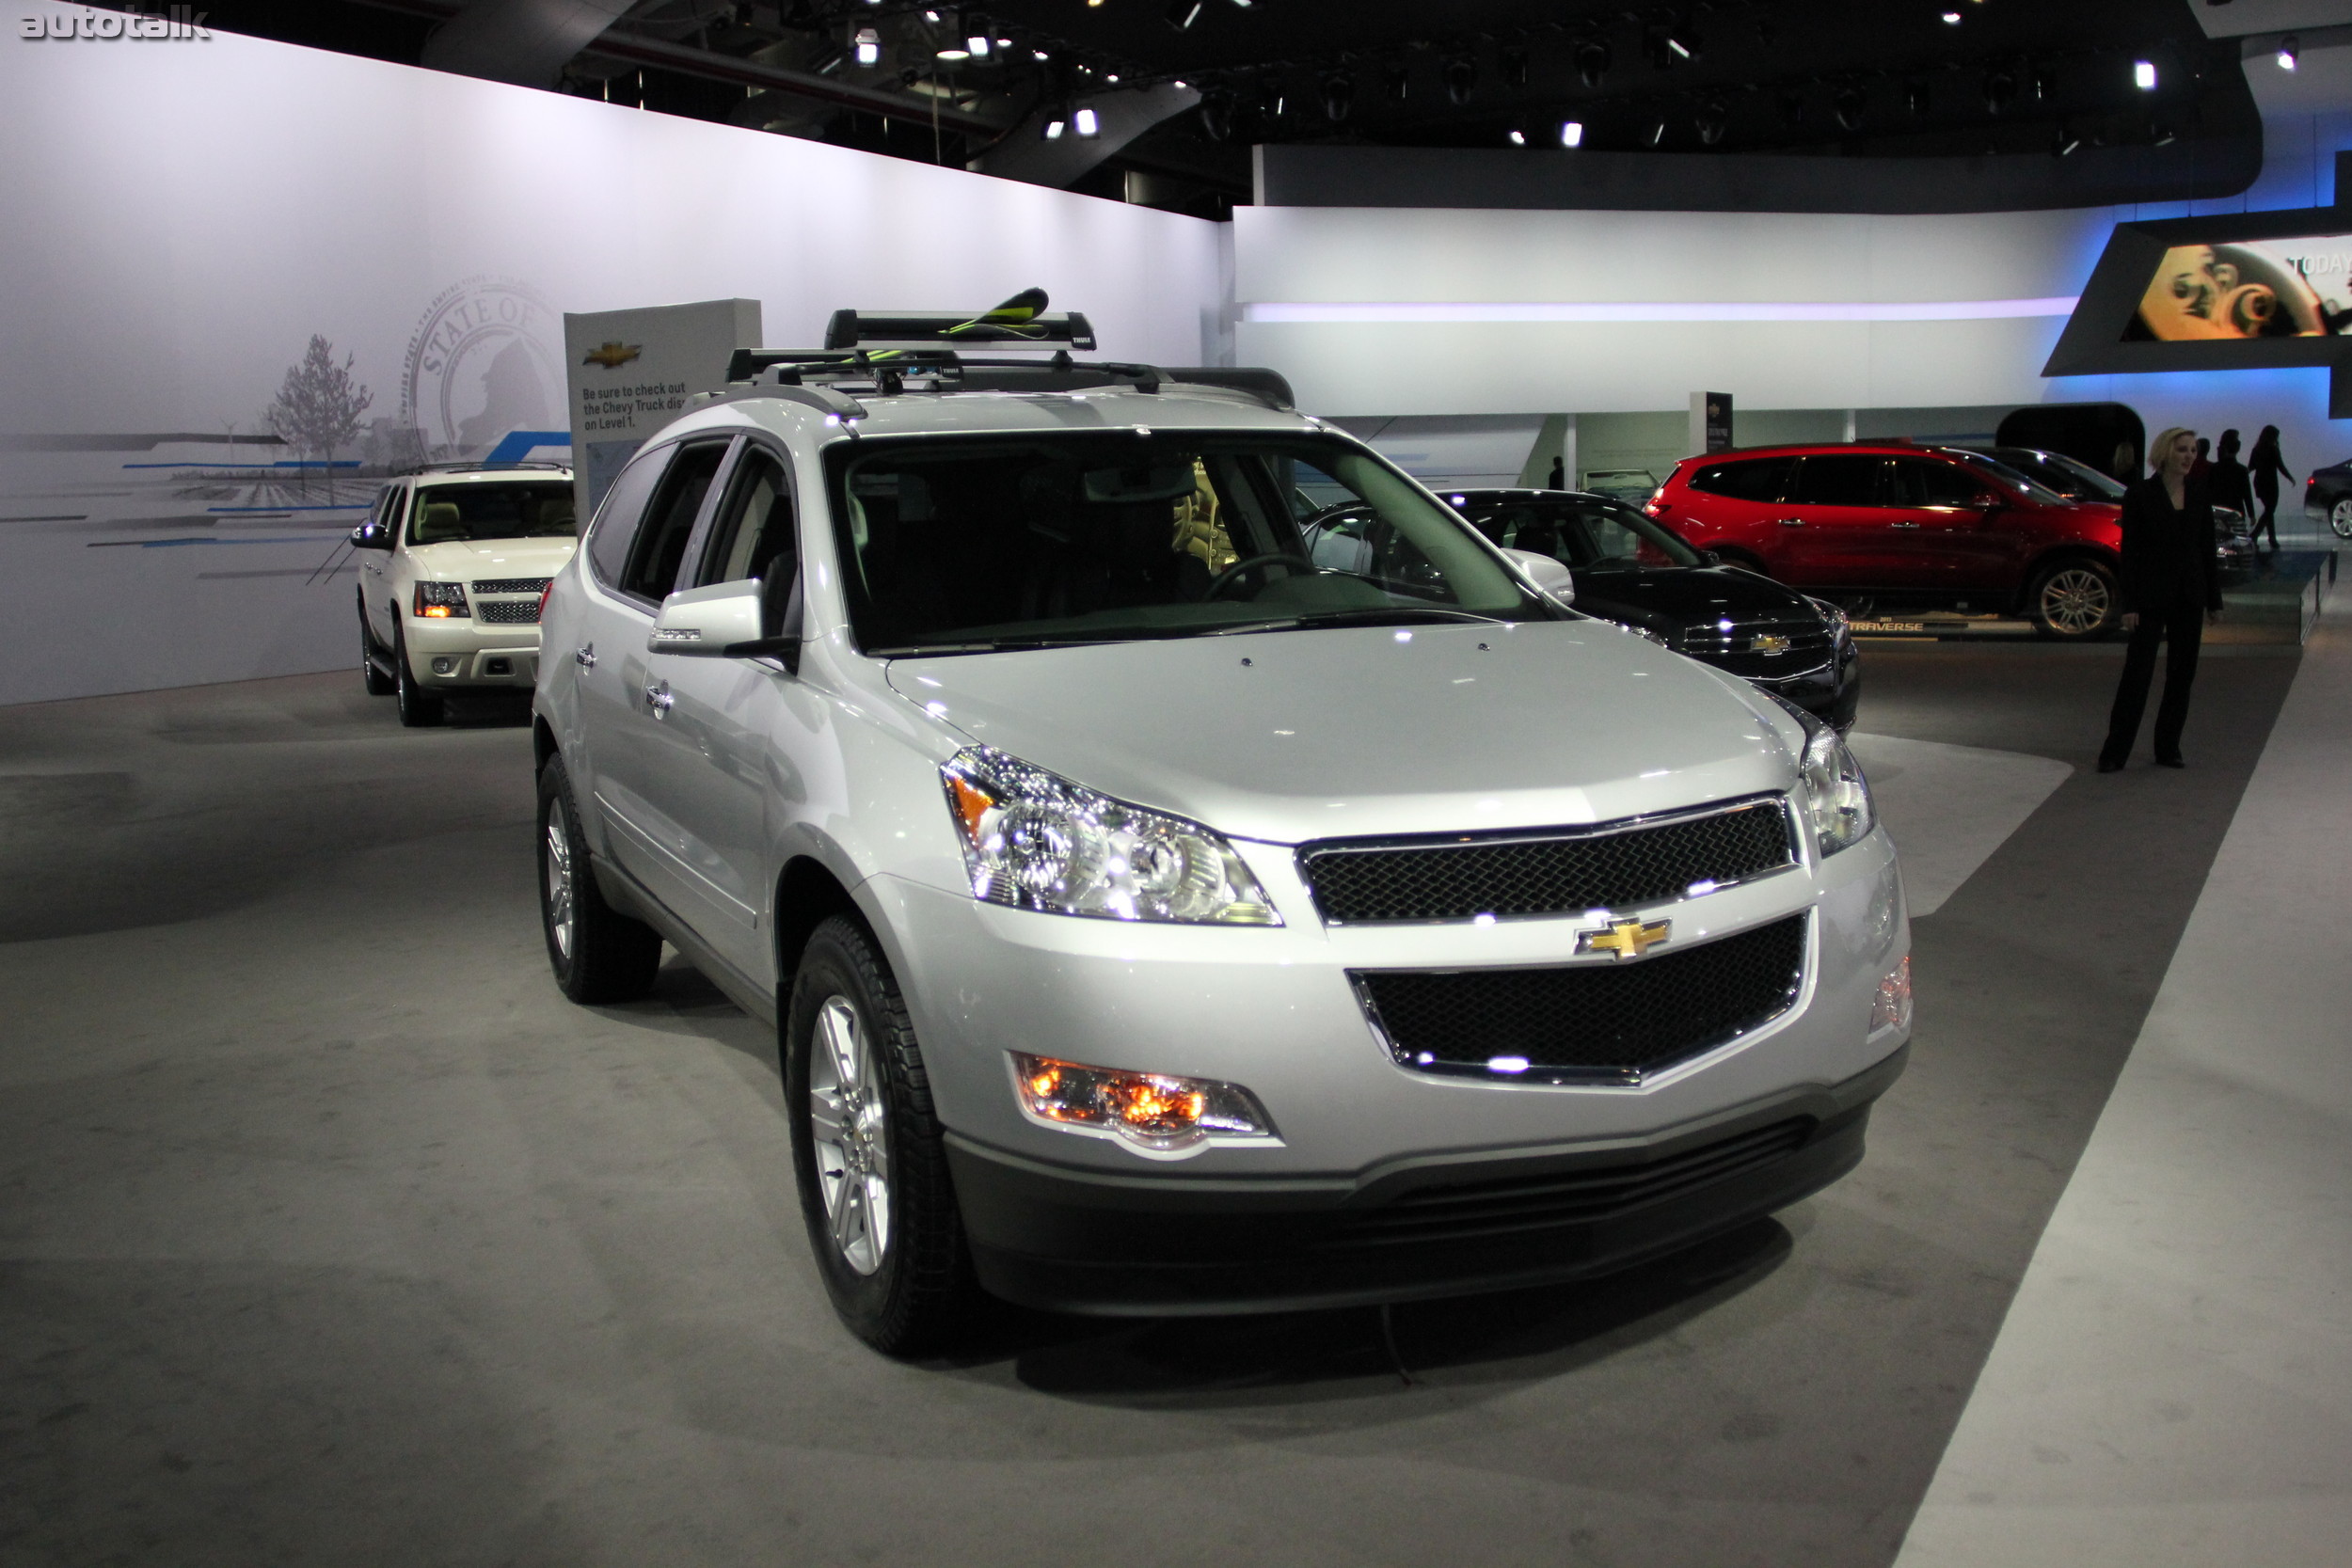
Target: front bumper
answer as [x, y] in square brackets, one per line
[463, 652]
[1077, 1241]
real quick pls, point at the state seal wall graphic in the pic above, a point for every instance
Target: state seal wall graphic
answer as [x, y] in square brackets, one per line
[482, 361]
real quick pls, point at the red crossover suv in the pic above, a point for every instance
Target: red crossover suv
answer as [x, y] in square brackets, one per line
[1891, 520]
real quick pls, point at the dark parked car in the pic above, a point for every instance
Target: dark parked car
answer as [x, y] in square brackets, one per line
[2077, 480]
[1635, 571]
[2328, 496]
[1896, 522]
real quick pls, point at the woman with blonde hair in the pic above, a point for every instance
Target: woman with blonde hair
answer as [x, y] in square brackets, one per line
[2171, 590]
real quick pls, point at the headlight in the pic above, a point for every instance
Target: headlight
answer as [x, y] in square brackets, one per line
[1158, 1112]
[440, 601]
[1035, 841]
[1839, 626]
[1837, 799]
[1643, 631]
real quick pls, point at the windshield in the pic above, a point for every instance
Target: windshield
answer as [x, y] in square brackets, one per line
[970, 546]
[2070, 477]
[536, 511]
[2010, 478]
[1584, 534]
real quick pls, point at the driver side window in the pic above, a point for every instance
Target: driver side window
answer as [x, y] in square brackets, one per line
[755, 536]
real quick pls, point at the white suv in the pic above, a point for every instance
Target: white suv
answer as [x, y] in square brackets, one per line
[454, 563]
[1156, 922]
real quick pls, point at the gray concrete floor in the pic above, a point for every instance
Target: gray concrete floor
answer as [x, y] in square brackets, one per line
[329, 1233]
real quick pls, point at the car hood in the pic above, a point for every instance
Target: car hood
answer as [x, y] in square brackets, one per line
[472, 557]
[1671, 600]
[1291, 736]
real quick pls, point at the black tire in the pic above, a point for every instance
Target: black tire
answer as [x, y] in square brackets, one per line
[371, 676]
[418, 706]
[2075, 599]
[908, 1291]
[598, 954]
[2339, 520]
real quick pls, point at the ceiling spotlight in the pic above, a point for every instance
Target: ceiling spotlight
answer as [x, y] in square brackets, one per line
[1951, 19]
[1339, 97]
[1592, 61]
[1055, 126]
[952, 52]
[1086, 124]
[1571, 133]
[1519, 138]
[1713, 120]
[867, 44]
[1849, 105]
[2290, 52]
[977, 39]
[2144, 75]
[1184, 13]
[1680, 49]
[1658, 133]
[1217, 115]
[1514, 64]
[2067, 144]
[1915, 97]
[2045, 84]
[2001, 88]
[2162, 135]
[1461, 76]
[1399, 81]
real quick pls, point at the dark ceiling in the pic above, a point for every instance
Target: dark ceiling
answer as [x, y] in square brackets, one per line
[1872, 78]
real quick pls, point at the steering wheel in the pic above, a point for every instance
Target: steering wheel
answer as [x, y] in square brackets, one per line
[1234, 573]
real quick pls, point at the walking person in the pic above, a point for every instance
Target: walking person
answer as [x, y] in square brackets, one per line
[2229, 485]
[2267, 467]
[2171, 590]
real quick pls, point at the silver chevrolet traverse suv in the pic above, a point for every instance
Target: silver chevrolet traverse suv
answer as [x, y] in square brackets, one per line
[1155, 921]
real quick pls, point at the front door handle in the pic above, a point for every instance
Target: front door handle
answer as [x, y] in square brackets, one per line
[658, 698]
[585, 655]
[1790, 522]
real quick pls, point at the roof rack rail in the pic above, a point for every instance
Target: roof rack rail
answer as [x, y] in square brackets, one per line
[476, 466]
[886, 372]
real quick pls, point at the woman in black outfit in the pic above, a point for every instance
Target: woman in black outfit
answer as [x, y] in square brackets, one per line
[2171, 589]
[2229, 485]
[2267, 467]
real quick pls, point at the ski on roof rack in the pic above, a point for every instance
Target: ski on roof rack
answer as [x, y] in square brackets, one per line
[1019, 320]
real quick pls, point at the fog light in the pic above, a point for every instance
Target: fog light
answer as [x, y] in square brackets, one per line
[1154, 1113]
[1891, 1009]
[444, 666]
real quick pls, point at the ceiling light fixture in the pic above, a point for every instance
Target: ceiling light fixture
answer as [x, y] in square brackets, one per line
[1519, 138]
[2144, 75]
[2290, 51]
[977, 36]
[1087, 124]
[1054, 126]
[1184, 13]
[867, 44]
[1951, 19]
[1571, 133]
[1713, 120]
[1461, 78]
[1851, 104]
[1592, 61]
[1400, 82]
[2001, 88]
[1516, 65]
[1339, 97]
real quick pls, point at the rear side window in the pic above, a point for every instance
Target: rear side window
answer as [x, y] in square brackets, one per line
[624, 508]
[1923, 481]
[1755, 478]
[1839, 479]
[659, 549]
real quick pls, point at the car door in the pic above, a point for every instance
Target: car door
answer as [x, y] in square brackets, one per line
[375, 565]
[622, 703]
[715, 777]
[1950, 523]
[1831, 532]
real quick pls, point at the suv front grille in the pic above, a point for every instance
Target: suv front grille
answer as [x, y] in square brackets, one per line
[1801, 641]
[1556, 874]
[1606, 1022]
[507, 612]
[513, 585]
[1492, 1209]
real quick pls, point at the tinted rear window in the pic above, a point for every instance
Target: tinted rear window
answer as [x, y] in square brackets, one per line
[1756, 479]
[1839, 480]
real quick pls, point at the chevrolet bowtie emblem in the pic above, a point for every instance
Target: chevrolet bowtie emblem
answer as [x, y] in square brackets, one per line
[1627, 938]
[1770, 645]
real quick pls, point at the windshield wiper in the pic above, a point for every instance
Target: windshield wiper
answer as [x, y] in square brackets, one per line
[1390, 616]
[994, 646]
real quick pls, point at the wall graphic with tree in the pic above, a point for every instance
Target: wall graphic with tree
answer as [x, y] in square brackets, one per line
[318, 406]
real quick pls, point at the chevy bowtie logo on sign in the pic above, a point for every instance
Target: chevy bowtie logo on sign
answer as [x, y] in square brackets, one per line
[181, 24]
[1627, 938]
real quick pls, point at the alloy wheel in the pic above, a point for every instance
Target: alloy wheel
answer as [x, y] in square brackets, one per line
[558, 857]
[2340, 517]
[849, 1126]
[2076, 601]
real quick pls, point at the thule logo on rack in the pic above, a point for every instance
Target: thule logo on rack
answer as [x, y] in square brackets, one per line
[180, 24]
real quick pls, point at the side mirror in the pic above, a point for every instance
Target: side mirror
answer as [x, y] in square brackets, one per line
[371, 536]
[1711, 558]
[1550, 576]
[731, 620]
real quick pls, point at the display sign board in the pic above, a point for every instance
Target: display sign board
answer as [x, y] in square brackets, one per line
[631, 373]
[1711, 422]
[2249, 291]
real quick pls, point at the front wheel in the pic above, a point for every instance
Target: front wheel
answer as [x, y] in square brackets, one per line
[597, 953]
[2075, 600]
[868, 1149]
[2340, 517]
[418, 706]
